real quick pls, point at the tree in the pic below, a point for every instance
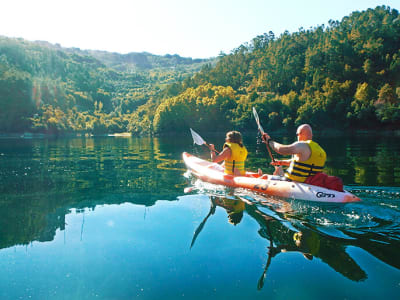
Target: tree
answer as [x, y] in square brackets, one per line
[16, 105]
[363, 109]
[196, 108]
[387, 105]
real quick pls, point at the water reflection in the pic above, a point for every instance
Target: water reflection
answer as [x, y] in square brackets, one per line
[365, 160]
[323, 232]
[41, 180]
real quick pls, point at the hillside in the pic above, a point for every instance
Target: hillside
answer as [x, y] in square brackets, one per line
[133, 61]
[344, 75]
[50, 89]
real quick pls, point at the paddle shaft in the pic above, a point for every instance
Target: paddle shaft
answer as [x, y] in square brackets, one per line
[255, 114]
[208, 146]
[269, 151]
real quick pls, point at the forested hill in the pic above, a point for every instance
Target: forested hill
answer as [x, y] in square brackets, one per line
[342, 75]
[345, 74]
[49, 89]
[133, 61]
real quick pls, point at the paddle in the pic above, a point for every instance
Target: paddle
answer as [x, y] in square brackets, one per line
[260, 283]
[200, 227]
[197, 139]
[255, 114]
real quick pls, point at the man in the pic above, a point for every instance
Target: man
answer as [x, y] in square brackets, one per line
[308, 158]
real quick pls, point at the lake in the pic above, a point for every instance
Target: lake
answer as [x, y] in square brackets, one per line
[107, 218]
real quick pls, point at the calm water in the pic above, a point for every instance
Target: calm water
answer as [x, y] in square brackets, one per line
[107, 218]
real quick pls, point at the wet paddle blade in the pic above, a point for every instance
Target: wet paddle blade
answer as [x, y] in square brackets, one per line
[258, 121]
[197, 139]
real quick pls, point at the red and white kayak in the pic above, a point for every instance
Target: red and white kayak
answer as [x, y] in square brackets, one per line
[214, 173]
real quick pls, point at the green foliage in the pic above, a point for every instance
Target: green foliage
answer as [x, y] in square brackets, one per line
[46, 88]
[388, 104]
[15, 99]
[346, 74]
[196, 108]
[340, 76]
[362, 106]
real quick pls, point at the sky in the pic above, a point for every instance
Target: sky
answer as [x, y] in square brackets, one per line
[189, 28]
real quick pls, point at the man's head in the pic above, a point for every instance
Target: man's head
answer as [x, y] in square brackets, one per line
[304, 132]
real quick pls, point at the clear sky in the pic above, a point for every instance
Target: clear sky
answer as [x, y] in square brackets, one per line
[190, 28]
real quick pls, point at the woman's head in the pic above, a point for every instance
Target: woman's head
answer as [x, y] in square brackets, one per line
[234, 137]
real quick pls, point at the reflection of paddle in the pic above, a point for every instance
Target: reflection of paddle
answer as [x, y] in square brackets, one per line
[199, 229]
[262, 132]
[263, 219]
[197, 139]
[270, 255]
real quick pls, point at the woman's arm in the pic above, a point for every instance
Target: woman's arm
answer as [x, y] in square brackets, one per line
[223, 155]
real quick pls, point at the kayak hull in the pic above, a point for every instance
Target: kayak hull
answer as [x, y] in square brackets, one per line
[214, 173]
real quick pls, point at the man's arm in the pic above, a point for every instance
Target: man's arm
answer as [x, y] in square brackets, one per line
[301, 149]
[283, 162]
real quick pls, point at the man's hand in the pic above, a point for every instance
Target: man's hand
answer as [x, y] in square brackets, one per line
[284, 162]
[265, 137]
[276, 163]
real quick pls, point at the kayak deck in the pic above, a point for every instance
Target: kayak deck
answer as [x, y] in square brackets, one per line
[214, 173]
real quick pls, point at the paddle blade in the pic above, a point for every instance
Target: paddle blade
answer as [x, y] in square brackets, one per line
[255, 114]
[197, 139]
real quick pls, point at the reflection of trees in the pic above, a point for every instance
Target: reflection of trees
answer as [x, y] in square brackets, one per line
[365, 160]
[42, 179]
[21, 223]
[102, 165]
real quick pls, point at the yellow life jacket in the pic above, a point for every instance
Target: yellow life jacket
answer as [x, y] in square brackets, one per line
[299, 171]
[235, 209]
[234, 205]
[236, 160]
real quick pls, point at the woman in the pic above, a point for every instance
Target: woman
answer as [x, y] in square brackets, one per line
[234, 154]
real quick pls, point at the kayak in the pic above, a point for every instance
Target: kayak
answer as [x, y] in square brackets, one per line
[214, 173]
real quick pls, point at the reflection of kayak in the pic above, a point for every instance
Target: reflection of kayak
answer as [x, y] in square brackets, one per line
[214, 173]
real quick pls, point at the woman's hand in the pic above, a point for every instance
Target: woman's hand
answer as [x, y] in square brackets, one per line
[212, 151]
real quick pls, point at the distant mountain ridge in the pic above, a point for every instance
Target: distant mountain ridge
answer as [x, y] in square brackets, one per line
[133, 61]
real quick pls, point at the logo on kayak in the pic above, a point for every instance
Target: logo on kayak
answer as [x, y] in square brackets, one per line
[325, 195]
[262, 187]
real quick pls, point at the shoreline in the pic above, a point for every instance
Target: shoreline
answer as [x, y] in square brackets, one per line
[317, 133]
[29, 135]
